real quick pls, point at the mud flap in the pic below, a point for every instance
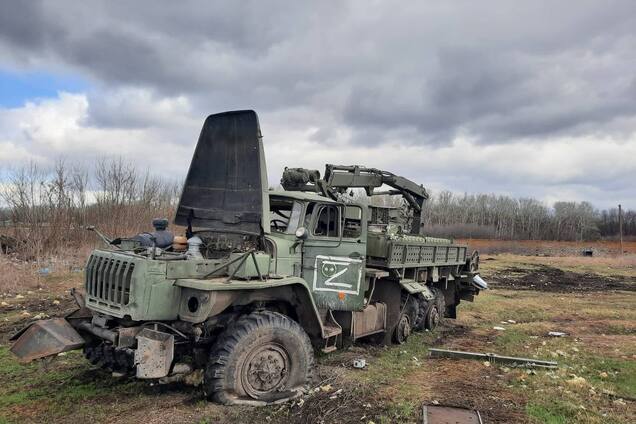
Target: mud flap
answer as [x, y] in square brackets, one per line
[45, 338]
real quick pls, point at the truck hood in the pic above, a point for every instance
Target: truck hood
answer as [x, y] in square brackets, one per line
[226, 187]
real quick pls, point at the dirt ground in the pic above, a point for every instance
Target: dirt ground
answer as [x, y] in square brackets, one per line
[593, 302]
[550, 248]
[551, 279]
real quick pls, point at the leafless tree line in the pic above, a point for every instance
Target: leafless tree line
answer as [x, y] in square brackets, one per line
[46, 210]
[608, 222]
[504, 217]
[491, 216]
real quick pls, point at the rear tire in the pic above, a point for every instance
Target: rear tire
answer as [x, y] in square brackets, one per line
[406, 323]
[432, 317]
[435, 312]
[423, 304]
[264, 357]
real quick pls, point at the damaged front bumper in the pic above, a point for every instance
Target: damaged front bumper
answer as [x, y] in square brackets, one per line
[45, 338]
[150, 351]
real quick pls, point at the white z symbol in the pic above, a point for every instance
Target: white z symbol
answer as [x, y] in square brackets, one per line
[329, 281]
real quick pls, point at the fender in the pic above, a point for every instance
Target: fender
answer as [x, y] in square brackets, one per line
[226, 293]
[412, 287]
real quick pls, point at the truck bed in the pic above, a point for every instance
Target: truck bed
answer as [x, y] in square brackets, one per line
[410, 251]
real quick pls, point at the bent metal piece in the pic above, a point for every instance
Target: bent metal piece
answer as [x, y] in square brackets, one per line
[45, 338]
[479, 282]
[491, 357]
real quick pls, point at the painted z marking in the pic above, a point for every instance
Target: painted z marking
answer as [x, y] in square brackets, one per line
[329, 281]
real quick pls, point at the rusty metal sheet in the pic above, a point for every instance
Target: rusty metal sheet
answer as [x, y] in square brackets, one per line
[45, 338]
[370, 320]
[127, 336]
[433, 414]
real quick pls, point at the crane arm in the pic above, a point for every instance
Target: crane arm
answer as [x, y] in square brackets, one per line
[339, 178]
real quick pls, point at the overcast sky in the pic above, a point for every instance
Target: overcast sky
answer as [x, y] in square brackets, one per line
[527, 98]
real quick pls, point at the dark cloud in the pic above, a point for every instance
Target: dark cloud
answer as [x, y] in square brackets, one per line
[497, 96]
[429, 71]
[25, 25]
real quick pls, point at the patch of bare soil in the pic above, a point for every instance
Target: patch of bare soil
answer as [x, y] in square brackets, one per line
[335, 399]
[462, 383]
[30, 309]
[470, 384]
[551, 279]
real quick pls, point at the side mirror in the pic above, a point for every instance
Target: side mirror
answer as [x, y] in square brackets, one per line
[301, 233]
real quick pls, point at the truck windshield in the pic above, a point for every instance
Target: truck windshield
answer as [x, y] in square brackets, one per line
[284, 215]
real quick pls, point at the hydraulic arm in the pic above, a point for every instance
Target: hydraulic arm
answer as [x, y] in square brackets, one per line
[339, 178]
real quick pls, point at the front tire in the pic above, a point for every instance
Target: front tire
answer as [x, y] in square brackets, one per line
[264, 357]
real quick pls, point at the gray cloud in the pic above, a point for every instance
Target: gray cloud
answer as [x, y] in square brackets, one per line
[356, 73]
[511, 70]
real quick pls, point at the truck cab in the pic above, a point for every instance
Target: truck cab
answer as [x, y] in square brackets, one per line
[324, 242]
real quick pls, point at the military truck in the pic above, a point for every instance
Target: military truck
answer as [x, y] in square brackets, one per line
[267, 277]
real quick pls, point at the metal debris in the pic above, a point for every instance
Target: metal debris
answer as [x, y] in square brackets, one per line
[359, 363]
[491, 357]
[432, 414]
[45, 338]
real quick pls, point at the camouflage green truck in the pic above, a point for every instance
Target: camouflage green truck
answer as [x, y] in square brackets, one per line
[268, 276]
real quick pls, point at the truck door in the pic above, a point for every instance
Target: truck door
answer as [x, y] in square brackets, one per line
[334, 255]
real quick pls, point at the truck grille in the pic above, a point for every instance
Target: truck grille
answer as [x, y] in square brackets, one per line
[108, 280]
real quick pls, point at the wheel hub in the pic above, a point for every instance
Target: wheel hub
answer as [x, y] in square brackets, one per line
[403, 329]
[434, 317]
[265, 370]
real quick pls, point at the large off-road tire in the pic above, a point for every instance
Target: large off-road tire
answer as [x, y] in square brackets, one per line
[264, 357]
[408, 316]
[435, 311]
[423, 304]
[107, 357]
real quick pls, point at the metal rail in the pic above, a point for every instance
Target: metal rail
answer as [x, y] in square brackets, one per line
[492, 357]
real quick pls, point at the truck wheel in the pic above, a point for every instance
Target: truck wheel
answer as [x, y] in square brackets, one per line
[408, 317]
[433, 317]
[435, 312]
[263, 357]
[422, 309]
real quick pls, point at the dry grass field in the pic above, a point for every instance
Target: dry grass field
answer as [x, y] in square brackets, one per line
[592, 300]
[551, 248]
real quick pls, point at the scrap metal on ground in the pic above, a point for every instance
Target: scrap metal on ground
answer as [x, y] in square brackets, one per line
[493, 358]
[435, 414]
